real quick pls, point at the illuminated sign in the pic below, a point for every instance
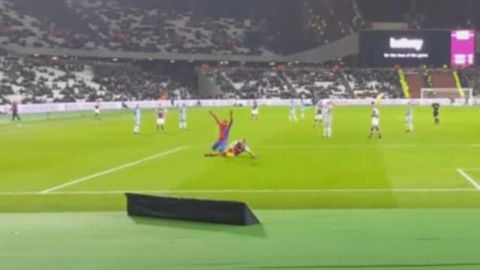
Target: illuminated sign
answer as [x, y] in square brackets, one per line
[405, 48]
[406, 43]
[462, 48]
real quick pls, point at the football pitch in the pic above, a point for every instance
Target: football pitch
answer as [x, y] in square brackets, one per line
[318, 195]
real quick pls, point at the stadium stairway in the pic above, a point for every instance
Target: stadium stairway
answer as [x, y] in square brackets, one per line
[443, 79]
[415, 82]
[348, 87]
[207, 86]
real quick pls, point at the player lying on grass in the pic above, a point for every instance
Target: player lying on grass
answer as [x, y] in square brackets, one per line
[234, 149]
[238, 147]
[219, 147]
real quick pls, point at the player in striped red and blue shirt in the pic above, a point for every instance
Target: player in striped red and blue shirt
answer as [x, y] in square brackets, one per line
[221, 144]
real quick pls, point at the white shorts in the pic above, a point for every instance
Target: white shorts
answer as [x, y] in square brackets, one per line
[255, 112]
[318, 117]
[160, 121]
[97, 111]
[375, 122]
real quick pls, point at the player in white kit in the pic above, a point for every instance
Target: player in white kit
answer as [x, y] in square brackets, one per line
[255, 111]
[409, 119]
[182, 116]
[292, 116]
[137, 119]
[302, 109]
[327, 120]
[375, 122]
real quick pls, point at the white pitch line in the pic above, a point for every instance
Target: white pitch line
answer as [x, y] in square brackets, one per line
[367, 146]
[9, 131]
[241, 191]
[470, 169]
[469, 178]
[116, 169]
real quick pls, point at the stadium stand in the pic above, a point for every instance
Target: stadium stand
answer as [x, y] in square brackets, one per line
[40, 80]
[371, 82]
[442, 78]
[421, 15]
[329, 20]
[416, 82]
[253, 28]
[470, 78]
[31, 79]
[173, 26]
[318, 82]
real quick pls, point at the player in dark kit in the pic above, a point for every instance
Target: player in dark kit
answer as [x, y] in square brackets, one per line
[96, 111]
[436, 113]
[14, 110]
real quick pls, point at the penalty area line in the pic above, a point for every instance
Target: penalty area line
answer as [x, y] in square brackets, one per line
[112, 170]
[469, 179]
[245, 191]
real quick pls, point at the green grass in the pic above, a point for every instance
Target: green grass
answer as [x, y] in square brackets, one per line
[295, 239]
[296, 167]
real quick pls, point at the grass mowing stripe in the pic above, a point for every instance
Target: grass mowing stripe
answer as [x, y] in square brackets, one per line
[122, 167]
[44, 154]
[198, 191]
[469, 178]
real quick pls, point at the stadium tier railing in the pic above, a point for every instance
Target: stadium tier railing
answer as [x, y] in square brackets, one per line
[86, 106]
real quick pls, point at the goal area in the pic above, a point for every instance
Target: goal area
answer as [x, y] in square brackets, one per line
[450, 93]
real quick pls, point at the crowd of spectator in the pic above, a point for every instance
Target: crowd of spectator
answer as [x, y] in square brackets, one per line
[470, 78]
[41, 80]
[330, 20]
[132, 27]
[253, 82]
[32, 79]
[371, 82]
[163, 25]
[319, 82]
[425, 14]
[308, 82]
[280, 82]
